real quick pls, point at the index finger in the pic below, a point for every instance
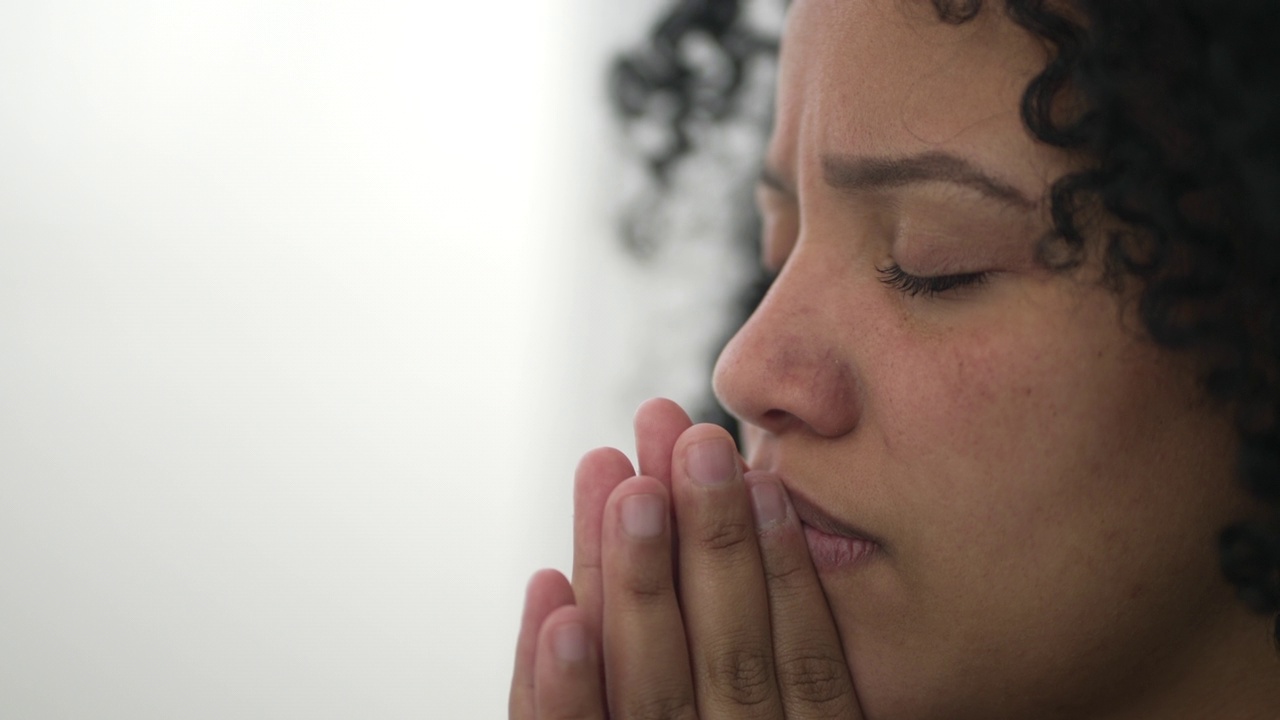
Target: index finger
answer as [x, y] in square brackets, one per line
[812, 673]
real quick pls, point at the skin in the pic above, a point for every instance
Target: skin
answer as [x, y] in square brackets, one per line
[1046, 485]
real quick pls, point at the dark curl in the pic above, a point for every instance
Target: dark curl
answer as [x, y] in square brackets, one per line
[1175, 106]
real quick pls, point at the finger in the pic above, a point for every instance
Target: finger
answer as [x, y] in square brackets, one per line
[598, 473]
[645, 655]
[658, 423]
[547, 590]
[812, 674]
[567, 676]
[722, 585]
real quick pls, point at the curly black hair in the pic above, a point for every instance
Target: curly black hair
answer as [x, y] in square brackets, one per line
[1175, 105]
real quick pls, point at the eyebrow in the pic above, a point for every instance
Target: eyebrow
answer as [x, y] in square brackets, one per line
[861, 173]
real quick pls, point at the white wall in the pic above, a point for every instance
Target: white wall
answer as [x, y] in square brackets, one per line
[292, 366]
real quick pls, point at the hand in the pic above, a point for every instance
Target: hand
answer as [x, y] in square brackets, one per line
[550, 602]
[740, 630]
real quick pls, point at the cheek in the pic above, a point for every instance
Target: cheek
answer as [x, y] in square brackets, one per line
[1072, 457]
[974, 401]
[1047, 491]
[1007, 429]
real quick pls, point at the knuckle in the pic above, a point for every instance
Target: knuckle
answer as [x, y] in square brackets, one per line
[659, 708]
[785, 575]
[815, 679]
[727, 536]
[583, 713]
[649, 588]
[743, 677]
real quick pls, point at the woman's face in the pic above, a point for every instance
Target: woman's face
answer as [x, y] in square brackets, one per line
[1045, 485]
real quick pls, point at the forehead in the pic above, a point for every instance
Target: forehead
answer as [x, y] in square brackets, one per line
[888, 78]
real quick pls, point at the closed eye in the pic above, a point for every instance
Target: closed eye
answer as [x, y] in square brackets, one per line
[911, 285]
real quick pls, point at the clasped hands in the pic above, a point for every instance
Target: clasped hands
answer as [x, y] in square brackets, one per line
[693, 594]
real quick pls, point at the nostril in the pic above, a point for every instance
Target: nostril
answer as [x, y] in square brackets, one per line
[775, 420]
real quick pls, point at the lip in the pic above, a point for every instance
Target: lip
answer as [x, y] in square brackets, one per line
[831, 553]
[833, 544]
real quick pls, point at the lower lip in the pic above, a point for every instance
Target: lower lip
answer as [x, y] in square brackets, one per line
[836, 552]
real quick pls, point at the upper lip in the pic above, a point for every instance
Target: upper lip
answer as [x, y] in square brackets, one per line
[811, 515]
[767, 457]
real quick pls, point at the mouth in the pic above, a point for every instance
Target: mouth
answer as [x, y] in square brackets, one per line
[833, 545]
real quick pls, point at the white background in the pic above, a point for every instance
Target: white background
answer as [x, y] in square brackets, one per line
[306, 312]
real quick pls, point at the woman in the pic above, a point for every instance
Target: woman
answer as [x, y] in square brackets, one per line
[1008, 408]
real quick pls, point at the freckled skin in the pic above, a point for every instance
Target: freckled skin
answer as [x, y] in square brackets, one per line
[1048, 484]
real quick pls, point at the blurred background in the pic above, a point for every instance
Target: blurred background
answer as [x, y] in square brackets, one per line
[307, 310]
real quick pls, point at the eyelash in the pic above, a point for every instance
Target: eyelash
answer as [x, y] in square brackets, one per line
[911, 285]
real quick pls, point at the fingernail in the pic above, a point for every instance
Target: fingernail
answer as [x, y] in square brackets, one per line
[711, 462]
[570, 642]
[769, 503]
[643, 516]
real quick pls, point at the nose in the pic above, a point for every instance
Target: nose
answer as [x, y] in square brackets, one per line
[790, 367]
